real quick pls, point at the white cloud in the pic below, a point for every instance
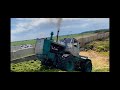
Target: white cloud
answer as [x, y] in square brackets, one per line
[98, 20]
[42, 35]
[28, 36]
[84, 25]
[76, 26]
[23, 26]
[21, 19]
[71, 19]
[33, 23]
[17, 31]
[88, 23]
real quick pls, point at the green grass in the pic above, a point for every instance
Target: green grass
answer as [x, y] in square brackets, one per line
[102, 70]
[32, 66]
[17, 43]
[104, 53]
[99, 45]
[35, 66]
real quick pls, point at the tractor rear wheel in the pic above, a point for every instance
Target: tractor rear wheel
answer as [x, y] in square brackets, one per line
[86, 66]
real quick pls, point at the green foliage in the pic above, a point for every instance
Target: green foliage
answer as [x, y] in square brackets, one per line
[105, 53]
[26, 66]
[97, 31]
[89, 46]
[32, 66]
[99, 46]
[17, 43]
[35, 66]
[101, 30]
[101, 70]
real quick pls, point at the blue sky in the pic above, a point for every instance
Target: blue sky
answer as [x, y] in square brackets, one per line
[32, 28]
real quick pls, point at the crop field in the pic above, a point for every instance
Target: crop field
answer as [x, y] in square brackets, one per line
[97, 51]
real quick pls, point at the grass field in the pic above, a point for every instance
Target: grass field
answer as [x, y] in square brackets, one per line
[32, 66]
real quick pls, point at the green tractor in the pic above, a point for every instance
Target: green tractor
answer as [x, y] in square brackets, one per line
[63, 54]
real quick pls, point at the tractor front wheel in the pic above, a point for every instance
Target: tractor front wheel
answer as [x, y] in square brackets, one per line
[47, 63]
[69, 66]
[66, 63]
[86, 66]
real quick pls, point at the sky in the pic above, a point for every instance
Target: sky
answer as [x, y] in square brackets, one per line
[32, 28]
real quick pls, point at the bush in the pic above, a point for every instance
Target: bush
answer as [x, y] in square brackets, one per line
[26, 66]
[89, 46]
[98, 46]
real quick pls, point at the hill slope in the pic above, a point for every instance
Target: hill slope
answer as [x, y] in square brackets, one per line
[32, 42]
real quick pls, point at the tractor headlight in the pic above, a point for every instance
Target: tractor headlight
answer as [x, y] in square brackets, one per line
[69, 45]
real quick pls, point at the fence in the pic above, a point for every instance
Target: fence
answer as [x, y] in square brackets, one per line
[22, 53]
[88, 39]
[29, 53]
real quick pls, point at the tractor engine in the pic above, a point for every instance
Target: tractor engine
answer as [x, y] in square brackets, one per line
[48, 51]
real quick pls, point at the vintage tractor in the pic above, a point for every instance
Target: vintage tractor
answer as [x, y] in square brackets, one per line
[63, 54]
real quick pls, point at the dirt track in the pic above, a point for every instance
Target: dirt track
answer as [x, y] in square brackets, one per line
[100, 61]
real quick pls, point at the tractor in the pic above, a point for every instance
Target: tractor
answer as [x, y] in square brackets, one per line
[62, 54]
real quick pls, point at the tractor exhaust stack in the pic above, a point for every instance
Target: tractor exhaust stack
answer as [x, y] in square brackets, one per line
[58, 27]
